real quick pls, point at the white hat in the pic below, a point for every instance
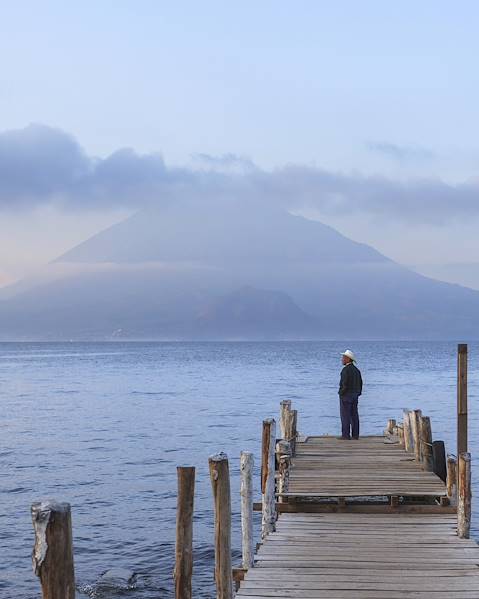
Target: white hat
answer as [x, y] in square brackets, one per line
[349, 354]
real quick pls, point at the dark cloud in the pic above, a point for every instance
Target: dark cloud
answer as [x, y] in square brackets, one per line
[401, 154]
[40, 165]
[421, 201]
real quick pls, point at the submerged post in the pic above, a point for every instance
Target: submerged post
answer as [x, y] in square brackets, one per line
[268, 477]
[53, 551]
[184, 532]
[464, 495]
[246, 493]
[285, 408]
[451, 479]
[220, 482]
[426, 444]
[461, 399]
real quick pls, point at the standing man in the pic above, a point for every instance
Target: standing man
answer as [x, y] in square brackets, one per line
[350, 388]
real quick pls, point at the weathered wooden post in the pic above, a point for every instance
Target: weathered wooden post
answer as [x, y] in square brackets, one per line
[283, 452]
[293, 431]
[246, 493]
[184, 532]
[391, 426]
[439, 459]
[451, 481]
[285, 408]
[53, 550]
[268, 477]
[415, 417]
[464, 495]
[426, 444]
[407, 430]
[461, 399]
[220, 482]
[400, 429]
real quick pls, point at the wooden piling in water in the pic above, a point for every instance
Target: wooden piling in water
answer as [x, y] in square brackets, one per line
[461, 399]
[426, 444]
[285, 408]
[220, 482]
[400, 430]
[292, 430]
[415, 417]
[268, 477]
[184, 532]
[407, 432]
[283, 453]
[391, 426]
[451, 479]
[53, 550]
[464, 495]
[246, 493]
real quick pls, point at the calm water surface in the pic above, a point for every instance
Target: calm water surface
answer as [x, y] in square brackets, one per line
[104, 426]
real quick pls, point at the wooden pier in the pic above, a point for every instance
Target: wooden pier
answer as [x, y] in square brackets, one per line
[363, 520]
[385, 516]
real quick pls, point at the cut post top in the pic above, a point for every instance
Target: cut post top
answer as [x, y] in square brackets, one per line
[50, 505]
[218, 457]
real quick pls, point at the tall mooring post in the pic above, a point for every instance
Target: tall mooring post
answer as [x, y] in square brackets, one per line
[184, 532]
[246, 493]
[464, 495]
[285, 409]
[461, 399]
[220, 482]
[268, 474]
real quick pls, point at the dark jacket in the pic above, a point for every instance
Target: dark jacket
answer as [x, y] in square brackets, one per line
[351, 381]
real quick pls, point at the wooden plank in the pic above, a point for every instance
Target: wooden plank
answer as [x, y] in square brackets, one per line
[299, 507]
[430, 584]
[331, 594]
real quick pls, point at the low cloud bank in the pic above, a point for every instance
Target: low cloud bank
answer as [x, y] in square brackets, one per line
[40, 165]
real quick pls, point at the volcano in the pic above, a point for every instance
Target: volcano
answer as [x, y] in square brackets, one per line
[229, 270]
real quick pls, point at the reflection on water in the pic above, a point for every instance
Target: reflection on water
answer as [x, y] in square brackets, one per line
[104, 426]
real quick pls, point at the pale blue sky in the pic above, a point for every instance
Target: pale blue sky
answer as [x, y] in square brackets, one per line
[309, 82]
[352, 87]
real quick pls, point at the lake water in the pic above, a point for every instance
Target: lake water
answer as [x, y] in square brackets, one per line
[103, 426]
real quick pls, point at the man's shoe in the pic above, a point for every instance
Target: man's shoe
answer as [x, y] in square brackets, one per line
[355, 438]
[343, 438]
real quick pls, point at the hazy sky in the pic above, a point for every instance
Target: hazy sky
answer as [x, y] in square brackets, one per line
[374, 102]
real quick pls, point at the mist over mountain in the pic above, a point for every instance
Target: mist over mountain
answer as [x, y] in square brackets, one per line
[220, 232]
[229, 270]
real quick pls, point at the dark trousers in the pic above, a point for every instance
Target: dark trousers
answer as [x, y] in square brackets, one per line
[349, 416]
